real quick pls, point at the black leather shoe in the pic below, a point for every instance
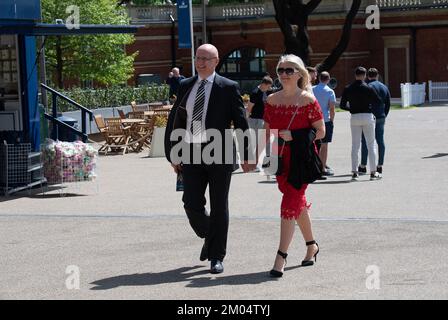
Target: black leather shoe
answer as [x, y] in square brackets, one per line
[204, 251]
[216, 266]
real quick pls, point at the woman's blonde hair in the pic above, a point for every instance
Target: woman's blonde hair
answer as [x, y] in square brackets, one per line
[304, 81]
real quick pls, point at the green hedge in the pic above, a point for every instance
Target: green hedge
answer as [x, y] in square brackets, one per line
[112, 97]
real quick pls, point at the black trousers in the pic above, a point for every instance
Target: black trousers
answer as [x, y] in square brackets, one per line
[214, 227]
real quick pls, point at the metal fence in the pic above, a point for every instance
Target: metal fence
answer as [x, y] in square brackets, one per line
[14, 166]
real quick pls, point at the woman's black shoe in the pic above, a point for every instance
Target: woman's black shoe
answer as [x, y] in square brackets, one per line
[277, 274]
[306, 263]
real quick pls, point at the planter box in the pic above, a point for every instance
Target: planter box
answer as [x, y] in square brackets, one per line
[157, 143]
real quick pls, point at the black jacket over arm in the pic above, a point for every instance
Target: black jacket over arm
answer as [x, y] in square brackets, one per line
[305, 165]
[225, 107]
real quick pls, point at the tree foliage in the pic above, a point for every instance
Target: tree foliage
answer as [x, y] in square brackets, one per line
[101, 58]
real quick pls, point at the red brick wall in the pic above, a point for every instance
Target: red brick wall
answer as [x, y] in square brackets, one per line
[366, 47]
[432, 54]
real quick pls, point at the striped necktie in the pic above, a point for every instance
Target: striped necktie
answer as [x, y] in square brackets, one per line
[198, 110]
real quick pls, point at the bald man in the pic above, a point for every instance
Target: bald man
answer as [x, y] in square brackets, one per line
[207, 101]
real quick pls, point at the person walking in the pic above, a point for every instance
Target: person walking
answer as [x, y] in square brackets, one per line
[207, 101]
[312, 72]
[293, 112]
[380, 110]
[360, 98]
[327, 101]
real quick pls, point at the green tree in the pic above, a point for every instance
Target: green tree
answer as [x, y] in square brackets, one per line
[101, 58]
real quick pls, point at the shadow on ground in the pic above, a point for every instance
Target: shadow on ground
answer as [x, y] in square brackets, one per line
[184, 274]
[437, 155]
[39, 193]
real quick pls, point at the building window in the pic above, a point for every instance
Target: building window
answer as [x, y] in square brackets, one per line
[245, 65]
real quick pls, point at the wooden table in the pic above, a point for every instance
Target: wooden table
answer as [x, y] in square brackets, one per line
[132, 121]
[163, 111]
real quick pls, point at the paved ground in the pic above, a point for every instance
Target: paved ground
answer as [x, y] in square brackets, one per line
[129, 238]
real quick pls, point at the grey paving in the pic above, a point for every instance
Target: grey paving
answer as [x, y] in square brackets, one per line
[129, 238]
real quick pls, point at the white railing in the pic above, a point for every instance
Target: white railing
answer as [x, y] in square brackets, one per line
[243, 11]
[438, 91]
[161, 13]
[412, 94]
[408, 4]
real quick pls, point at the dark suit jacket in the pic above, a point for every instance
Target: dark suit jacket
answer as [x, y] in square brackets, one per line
[224, 107]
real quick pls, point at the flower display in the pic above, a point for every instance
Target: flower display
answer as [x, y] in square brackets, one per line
[68, 161]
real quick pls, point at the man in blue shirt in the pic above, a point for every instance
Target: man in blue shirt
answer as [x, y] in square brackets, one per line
[327, 101]
[380, 110]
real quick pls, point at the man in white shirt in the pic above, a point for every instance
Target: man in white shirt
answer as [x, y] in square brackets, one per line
[207, 101]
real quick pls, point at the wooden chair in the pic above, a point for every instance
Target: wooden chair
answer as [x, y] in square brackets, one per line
[121, 114]
[117, 136]
[100, 122]
[141, 135]
[101, 125]
[136, 108]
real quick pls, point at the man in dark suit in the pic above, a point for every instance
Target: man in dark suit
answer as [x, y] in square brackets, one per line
[207, 101]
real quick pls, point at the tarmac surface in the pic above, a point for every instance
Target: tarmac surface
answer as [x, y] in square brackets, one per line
[129, 238]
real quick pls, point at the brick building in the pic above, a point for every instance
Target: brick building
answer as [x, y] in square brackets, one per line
[410, 46]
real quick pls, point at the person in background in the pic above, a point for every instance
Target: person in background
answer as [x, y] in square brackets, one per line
[380, 110]
[173, 81]
[327, 101]
[255, 109]
[313, 74]
[360, 98]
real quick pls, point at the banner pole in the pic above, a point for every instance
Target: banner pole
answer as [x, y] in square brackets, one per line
[193, 70]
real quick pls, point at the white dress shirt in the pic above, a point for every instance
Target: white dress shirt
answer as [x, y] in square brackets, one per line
[199, 138]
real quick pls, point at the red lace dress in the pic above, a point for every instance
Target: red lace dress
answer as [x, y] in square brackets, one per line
[278, 117]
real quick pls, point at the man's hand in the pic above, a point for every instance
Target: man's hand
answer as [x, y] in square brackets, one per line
[247, 167]
[177, 168]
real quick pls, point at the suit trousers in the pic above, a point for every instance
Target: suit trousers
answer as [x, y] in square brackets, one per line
[215, 226]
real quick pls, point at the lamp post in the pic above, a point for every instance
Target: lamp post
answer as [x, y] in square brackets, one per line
[42, 75]
[173, 42]
[204, 21]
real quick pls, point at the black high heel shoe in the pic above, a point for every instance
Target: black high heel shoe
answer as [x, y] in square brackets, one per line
[277, 274]
[306, 263]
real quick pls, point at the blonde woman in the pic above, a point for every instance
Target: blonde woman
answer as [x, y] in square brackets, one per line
[288, 111]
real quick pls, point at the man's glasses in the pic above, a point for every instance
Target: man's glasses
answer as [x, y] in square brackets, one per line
[204, 59]
[288, 71]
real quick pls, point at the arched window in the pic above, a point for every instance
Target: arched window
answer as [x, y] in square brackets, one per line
[245, 65]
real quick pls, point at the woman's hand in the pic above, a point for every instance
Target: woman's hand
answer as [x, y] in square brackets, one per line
[320, 129]
[285, 135]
